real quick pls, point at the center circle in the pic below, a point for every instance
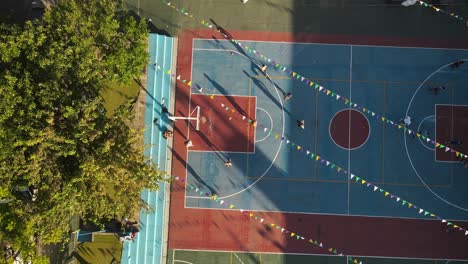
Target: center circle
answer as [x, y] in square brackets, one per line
[349, 129]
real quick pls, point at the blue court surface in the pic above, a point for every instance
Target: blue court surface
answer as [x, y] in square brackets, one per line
[392, 81]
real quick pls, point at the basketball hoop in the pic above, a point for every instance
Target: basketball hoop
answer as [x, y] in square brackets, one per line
[194, 115]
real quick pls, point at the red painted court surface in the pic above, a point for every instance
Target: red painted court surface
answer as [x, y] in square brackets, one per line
[451, 124]
[230, 230]
[349, 129]
[219, 132]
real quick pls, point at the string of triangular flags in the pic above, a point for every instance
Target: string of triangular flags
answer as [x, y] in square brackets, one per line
[230, 111]
[257, 218]
[324, 91]
[437, 9]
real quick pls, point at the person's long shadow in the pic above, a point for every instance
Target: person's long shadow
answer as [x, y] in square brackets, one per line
[229, 97]
[195, 175]
[221, 30]
[229, 37]
[192, 172]
[264, 89]
[216, 150]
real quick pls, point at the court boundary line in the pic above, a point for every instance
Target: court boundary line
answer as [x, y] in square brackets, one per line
[312, 254]
[258, 179]
[333, 44]
[406, 146]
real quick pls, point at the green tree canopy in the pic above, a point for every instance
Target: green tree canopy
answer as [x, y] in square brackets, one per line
[54, 133]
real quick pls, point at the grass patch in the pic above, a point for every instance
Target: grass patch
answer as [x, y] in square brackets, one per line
[104, 249]
[115, 95]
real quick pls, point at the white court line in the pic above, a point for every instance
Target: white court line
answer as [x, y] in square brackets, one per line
[451, 104]
[368, 135]
[406, 146]
[236, 152]
[314, 254]
[271, 125]
[349, 124]
[238, 257]
[419, 129]
[182, 261]
[332, 44]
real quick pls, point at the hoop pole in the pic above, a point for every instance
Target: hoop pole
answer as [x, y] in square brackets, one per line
[197, 118]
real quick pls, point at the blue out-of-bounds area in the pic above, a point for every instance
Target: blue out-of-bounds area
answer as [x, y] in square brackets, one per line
[391, 81]
[148, 245]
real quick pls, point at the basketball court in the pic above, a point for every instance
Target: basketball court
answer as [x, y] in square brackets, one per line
[271, 176]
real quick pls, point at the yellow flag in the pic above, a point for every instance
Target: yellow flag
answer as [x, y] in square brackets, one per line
[189, 83]
[292, 234]
[328, 92]
[363, 181]
[387, 193]
[298, 147]
[294, 74]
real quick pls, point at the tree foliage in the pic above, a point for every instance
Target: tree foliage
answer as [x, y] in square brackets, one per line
[54, 134]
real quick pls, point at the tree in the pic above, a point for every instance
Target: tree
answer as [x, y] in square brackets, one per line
[60, 155]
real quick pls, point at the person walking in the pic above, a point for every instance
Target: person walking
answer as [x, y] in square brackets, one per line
[406, 121]
[301, 124]
[228, 163]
